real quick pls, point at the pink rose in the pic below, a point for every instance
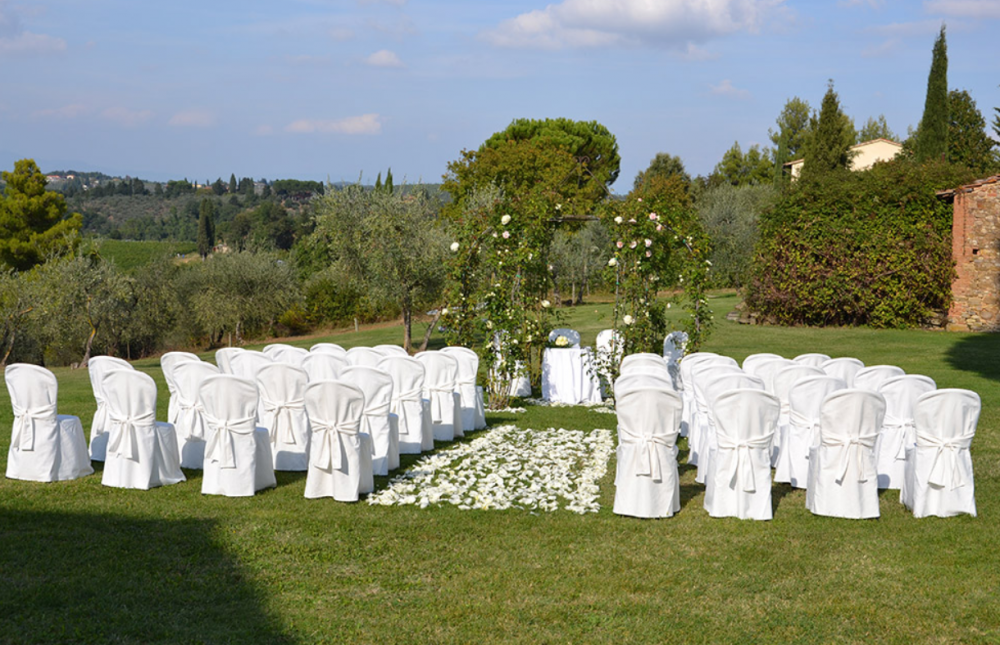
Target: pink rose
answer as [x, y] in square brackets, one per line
[653, 216]
[659, 227]
[506, 234]
[649, 243]
[621, 244]
[649, 254]
[632, 244]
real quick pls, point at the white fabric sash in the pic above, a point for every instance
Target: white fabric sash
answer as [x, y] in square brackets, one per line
[646, 460]
[946, 467]
[220, 446]
[324, 455]
[282, 411]
[437, 402]
[859, 446]
[742, 466]
[193, 430]
[906, 433]
[123, 440]
[24, 426]
[399, 409]
[810, 424]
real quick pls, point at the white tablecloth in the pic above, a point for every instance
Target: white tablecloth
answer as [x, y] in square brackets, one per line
[568, 376]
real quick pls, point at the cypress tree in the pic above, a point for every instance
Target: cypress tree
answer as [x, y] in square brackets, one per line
[388, 181]
[232, 184]
[378, 182]
[206, 227]
[828, 148]
[932, 134]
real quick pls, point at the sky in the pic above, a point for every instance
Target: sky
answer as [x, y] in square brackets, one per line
[343, 89]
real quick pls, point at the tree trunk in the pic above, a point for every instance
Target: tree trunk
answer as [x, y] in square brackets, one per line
[90, 343]
[430, 330]
[407, 329]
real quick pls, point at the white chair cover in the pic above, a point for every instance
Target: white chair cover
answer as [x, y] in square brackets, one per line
[340, 461]
[751, 362]
[282, 391]
[364, 356]
[738, 482]
[416, 433]
[391, 350]
[45, 446]
[168, 363]
[324, 366]
[471, 395]
[686, 388]
[246, 364]
[440, 383]
[711, 384]
[328, 348]
[570, 376]
[939, 479]
[843, 368]
[238, 460]
[699, 414]
[898, 432]
[642, 380]
[224, 356]
[289, 355]
[766, 370]
[190, 424]
[783, 381]
[813, 359]
[805, 398]
[644, 359]
[378, 420]
[142, 452]
[571, 335]
[871, 378]
[274, 348]
[842, 481]
[98, 366]
[646, 481]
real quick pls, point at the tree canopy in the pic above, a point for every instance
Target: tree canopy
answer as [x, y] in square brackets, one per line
[932, 133]
[664, 165]
[876, 128]
[968, 142]
[794, 129]
[33, 221]
[833, 134]
[737, 168]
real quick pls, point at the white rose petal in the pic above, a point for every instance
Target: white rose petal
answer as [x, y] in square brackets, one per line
[454, 246]
[505, 220]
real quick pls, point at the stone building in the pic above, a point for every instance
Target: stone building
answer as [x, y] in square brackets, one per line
[976, 250]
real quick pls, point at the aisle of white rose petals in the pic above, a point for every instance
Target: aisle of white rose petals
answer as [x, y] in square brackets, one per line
[509, 467]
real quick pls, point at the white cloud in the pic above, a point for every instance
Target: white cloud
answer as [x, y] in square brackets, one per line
[364, 124]
[341, 33]
[192, 119]
[981, 9]
[126, 117]
[885, 48]
[263, 130]
[65, 112]
[15, 40]
[384, 58]
[726, 88]
[907, 29]
[595, 23]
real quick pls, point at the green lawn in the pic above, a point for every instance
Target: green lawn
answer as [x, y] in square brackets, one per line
[81, 563]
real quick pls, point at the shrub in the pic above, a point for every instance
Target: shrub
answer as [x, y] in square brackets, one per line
[866, 248]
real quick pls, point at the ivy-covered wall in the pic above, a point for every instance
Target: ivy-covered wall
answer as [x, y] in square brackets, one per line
[858, 248]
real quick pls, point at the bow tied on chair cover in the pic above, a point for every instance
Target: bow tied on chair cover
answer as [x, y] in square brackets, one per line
[742, 467]
[646, 461]
[371, 416]
[437, 403]
[946, 469]
[799, 420]
[324, 455]
[123, 439]
[24, 426]
[860, 447]
[906, 430]
[220, 446]
[194, 431]
[279, 410]
[398, 402]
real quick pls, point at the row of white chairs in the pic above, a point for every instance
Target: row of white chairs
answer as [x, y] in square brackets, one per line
[841, 443]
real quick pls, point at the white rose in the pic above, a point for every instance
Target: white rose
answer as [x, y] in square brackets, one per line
[618, 220]
[627, 319]
[505, 220]
[546, 304]
[444, 312]
[612, 262]
[454, 246]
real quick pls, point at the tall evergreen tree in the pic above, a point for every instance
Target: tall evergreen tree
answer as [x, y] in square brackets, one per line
[378, 182]
[232, 184]
[388, 181]
[968, 142]
[206, 227]
[828, 149]
[932, 134]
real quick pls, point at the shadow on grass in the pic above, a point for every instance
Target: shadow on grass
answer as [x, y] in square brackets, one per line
[977, 353]
[84, 578]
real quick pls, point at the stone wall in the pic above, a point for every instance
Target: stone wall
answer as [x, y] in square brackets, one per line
[976, 250]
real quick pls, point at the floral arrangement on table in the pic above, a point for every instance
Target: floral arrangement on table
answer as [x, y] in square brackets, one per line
[658, 244]
[561, 341]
